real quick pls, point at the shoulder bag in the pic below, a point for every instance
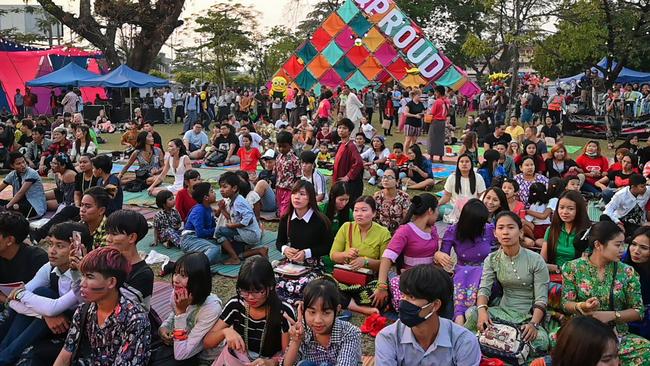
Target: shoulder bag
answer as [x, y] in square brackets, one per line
[502, 340]
[350, 277]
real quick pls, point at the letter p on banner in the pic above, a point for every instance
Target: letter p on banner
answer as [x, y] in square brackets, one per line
[376, 6]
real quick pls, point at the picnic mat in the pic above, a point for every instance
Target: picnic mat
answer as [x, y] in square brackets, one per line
[118, 168]
[442, 171]
[147, 212]
[160, 299]
[142, 199]
[593, 211]
[8, 193]
[268, 240]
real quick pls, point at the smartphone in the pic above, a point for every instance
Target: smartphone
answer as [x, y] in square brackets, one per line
[76, 243]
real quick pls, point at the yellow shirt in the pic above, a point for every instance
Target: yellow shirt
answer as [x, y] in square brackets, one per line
[372, 247]
[514, 132]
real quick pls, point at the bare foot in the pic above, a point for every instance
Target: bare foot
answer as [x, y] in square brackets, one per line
[264, 252]
[232, 261]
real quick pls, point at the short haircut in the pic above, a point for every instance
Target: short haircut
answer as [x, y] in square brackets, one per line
[162, 197]
[196, 267]
[229, 178]
[103, 163]
[345, 122]
[64, 230]
[14, 224]
[398, 145]
[636, 179]
[28, 123]
[127, 222]
[368, 200]
[109, 262]
[148, 123]
[39, 130]
[198, 122]
[201, 190]
[15, 155]
[427, 282]
[284, 137]
[247, 136]
[360, 134]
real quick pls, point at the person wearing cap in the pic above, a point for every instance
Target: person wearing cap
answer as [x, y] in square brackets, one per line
[312, 175]
[60, 144]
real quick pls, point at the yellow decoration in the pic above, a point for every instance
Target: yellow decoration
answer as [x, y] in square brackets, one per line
[358, 42]
[279, 87]
[413, 71]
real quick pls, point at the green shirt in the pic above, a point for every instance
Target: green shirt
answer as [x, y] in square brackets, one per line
[335, 223]
[564, 251]
[372, 247]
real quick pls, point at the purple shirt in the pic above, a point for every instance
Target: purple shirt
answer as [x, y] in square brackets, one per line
[417, 246]
[469, 252]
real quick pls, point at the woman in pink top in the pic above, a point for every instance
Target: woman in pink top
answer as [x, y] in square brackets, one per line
[324, 108]
[416, 242]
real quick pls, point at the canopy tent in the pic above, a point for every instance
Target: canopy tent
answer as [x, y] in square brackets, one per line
[126, 77]
[625, 76]
[366, 43]
[69, 75]
[21, 64]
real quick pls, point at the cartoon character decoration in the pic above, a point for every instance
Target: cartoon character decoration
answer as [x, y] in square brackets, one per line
[279, 87]
[498, 78]
[358, 42]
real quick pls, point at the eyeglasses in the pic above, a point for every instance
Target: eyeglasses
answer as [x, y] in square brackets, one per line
[388, 177]
[256, 293]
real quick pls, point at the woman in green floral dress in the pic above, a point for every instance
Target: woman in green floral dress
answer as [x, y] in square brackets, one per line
[608, 290]
[524, 277]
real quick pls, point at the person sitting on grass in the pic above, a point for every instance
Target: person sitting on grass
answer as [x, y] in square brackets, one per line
[123, 325]
[28, 194]
[421, 336]
[242, 228]
[177, 162]
[249, 156]
[195, 311]
[196, 141]
[102, 167]
[129, 137]
[149, 158]
[313, 176]
[167, 222]
[253, 322]
[420, 174]
[184, 200]
[322, 338]
[64, 177]
[200, 225]
[44, 306]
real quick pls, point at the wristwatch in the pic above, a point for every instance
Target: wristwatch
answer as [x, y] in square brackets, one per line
[617, 316]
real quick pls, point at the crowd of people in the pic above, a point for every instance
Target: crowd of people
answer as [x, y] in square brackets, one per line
[516, 250]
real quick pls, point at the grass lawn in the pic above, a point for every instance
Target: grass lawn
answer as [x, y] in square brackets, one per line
[225, 287]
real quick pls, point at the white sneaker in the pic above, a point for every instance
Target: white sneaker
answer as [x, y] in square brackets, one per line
[372, 181]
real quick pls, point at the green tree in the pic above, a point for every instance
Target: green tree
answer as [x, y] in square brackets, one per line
[270, 52]
[229, 29]
[151, 22]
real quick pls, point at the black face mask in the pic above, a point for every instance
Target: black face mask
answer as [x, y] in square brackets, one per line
[409, 313]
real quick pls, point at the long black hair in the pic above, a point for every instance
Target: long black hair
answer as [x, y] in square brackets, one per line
[503, 200]
[141, 140]
[324, 289]
[472, 220]
[602, 232]
[256, 274]
[419, 159]
[196, 267]
[420, 204]
[472, 175]
[337, 190]
[641, 268]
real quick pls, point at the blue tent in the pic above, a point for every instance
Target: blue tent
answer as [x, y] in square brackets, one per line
[625, 76]
[125, 77]
[69, 75]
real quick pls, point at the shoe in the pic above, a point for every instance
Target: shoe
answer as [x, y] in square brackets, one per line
[372, 181]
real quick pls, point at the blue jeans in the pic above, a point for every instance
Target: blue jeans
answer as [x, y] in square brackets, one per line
[191, 243]
[20, 331]
[589, 188]
[192, 116]
[168, 115]
[268, 201]
[226, 233]
[499, 117]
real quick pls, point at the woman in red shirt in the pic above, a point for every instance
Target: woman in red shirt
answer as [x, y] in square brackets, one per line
[437, 128]
[249, 157]
[594, 165]
[184, 200]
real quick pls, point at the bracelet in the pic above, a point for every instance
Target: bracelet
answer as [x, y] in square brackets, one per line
[578, 308]
[365, 262]
[483, 306]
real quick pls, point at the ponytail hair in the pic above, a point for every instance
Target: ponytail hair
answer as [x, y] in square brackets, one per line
[602, 232]
[420, 204]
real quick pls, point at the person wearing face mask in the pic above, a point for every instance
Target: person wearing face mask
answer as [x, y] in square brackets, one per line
[602, 287]
[421, 336]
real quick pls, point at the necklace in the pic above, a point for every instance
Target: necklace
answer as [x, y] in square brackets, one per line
[83, 183]
[266, 322]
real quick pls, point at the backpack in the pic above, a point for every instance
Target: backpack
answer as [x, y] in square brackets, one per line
[536, 104]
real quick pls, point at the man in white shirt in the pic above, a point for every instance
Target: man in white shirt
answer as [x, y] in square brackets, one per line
[44, 306]
[70, 101]
[256, 142]
[168, 104]
[627, 207]
[353, 108]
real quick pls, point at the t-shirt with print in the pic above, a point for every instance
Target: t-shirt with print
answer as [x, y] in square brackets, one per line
[234, 314]
[223, 143]
[619, 179]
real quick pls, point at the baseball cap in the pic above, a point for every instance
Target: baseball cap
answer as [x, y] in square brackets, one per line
[269, 155]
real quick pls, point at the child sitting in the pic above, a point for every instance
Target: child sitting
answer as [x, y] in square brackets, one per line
[167, 222]
[199, 226]
[538, 215]
[324, 158]
[397, 160]
[241, 228]
[249, 156]
[130, 136]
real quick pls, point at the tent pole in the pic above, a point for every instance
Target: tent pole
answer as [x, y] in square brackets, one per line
[130, 105]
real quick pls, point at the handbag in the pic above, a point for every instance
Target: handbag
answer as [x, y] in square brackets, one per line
[386, 124]
[503, 340]
[229, 357]
[350, 277]
[428, 118]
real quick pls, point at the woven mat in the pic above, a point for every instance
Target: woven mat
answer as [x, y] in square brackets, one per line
[8, 192]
